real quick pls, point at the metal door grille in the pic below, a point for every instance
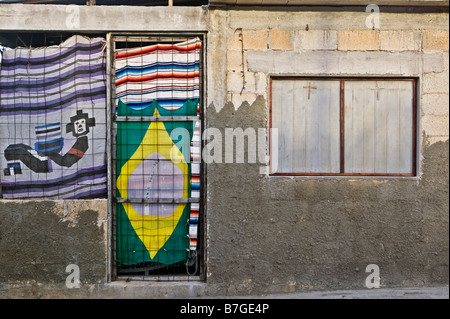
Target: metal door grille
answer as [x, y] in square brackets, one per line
[156, 172]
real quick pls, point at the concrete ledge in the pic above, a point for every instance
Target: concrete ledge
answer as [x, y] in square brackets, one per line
[152, 290]
[113, 290]
[23, 17]
[197, 290]
[384, 293]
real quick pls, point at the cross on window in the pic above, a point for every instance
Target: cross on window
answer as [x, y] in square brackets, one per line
[309, 91]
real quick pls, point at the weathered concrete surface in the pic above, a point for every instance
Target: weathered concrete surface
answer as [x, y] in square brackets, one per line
[280, 19]
[275, 234]
[39, 239]
[113, 290]
[101, 18]
[264, 234]
[395, 293]
[187, 291]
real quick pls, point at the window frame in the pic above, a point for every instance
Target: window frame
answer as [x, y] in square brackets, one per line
[342, 80]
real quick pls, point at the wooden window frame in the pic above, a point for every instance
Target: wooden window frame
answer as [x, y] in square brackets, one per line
[342, 81]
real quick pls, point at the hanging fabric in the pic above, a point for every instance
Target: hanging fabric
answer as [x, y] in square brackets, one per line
[158, 81]
[53, 121]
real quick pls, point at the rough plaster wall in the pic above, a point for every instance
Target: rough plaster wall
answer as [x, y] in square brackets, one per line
[276, 234]
[291, 234]
[39, 239]
[264, 234]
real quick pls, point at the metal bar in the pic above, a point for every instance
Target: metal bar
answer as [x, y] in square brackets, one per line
[113, 133]
[342, 123]
[143, 269]
[201, 228]
[157, 118]
[109, 74]
[161, 278]
[158, 200]
[176, 36]
[156, 38]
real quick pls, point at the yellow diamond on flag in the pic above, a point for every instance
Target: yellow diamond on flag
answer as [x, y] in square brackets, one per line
[156, 170]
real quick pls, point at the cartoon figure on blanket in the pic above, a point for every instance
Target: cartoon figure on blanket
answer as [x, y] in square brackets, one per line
[39, 159]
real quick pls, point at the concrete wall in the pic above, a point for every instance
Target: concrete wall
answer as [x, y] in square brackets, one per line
[321, 233]
[264, 234]
[39, 239]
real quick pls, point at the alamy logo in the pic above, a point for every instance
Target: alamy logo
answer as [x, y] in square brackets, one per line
[73, 17]
[232, 143]
[373, 20]
[73, 280]
[373, 280]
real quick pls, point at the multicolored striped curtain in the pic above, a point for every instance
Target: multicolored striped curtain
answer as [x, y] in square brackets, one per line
[166, 73]
[156, 177]
[53, 121]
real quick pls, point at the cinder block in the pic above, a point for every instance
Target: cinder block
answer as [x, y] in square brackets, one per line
[255, 39]
[435, 104]
[280, 40]
[436, 40]
[399, 41]
[236, 60]
[435, 125]
[446, 56]
[433, 62]
[235, 40]
[242, 82]
[435, 82]
[260, 82]
[249, 82]
[315, 40]
[358, 40]
[235, 81]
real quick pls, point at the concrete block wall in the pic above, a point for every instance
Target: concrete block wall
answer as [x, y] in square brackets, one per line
[435, 110]
[419, 47]
[291, 234]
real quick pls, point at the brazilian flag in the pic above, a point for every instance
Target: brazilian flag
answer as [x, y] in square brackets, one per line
[152, 163]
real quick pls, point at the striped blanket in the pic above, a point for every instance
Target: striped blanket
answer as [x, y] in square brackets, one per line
[163, 80]
[167, 73]
[53, 121]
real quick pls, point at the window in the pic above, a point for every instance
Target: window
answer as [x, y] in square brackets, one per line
[344, 126]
